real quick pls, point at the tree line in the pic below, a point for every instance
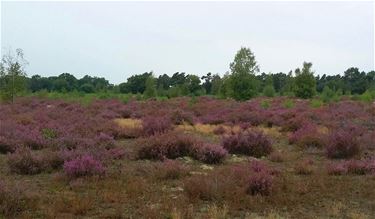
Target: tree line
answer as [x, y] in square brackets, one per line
[242, 82]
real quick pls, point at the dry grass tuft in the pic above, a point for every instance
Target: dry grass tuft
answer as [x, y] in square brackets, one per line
[129, 123]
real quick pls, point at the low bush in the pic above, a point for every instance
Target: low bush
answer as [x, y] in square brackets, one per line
[104, 140]
[342, 144]
[356, 167]
[307, 136]
[116, 153]
[276, 156]
[219, 130]
[203, 188]
[170, 169]
[166, 146]
[260, 183]
[85, 165]
[174, 144]
[316, 103]
[304, 167]
[252, 143]
[156, 125]
[337, 169]
[208, 153]
[179, 117]
[52, 160]
[288, 104]
[232, 182]
[24, 161]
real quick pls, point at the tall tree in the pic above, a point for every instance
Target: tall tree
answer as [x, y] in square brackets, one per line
[216, 84]
[12, 74]
[305, 81]
[193, 84]
[243, 69]
[268, 90]
[150, 90]
[355, 81]
[207, 84]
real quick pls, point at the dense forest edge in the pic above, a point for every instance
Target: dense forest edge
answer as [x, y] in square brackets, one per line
[243, 82]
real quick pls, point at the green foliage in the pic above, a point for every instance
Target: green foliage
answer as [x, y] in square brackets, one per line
[135, 84]
[328, 95]
[316, 103]
[173, 92]
[288, 88]
[244, 86]
[193, 84]
[288, 104]
[12, 75]
[48, 133]
[87, 88]
[217, 82]
[269, 91]
[241, 84]
[244, 62]
[265, 104]
[243, 81]
[226, 87]
[150, 90]
[355, 81]
[368, 96]
[193, 100]
[305, 83]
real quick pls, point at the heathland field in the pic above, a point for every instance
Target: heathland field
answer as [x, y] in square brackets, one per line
[187, 158]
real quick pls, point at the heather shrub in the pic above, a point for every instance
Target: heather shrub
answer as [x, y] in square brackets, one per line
[24, 161]
[170, 169]
[231, 183]
[156, 125]
[370, 166]
[356, 167]
[34, 140]
[52, 160]
[216, 186]
[337, 169]
[292, 121]
[304, 167]
[85, 165]
[260, 183]
[208, 153]
[251, 178]
[169, 145]
[203, 188]
[307, 136]
[245, 125]
[252, 143]
[342, 144]
[179, 117]
[116, 153]
[104, 140]
[219, 130]
[276, 156]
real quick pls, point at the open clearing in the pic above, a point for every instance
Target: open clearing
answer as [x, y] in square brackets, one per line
[144, 164]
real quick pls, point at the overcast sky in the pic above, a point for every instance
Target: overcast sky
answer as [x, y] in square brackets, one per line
[117, 39]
